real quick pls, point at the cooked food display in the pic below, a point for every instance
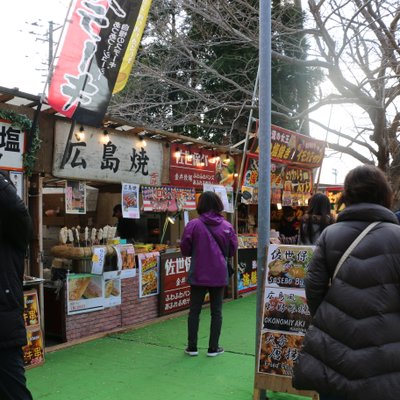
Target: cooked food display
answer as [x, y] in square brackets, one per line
[92, 290]
[128, 258]
[77, 287]
[274, 344]
[130, 199]
[109, 286]
[287, 273]
[149, 263]
[149, 282]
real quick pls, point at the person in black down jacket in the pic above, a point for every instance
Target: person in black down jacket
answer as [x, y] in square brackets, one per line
[352, 349]
[15, 233]
[317, 217]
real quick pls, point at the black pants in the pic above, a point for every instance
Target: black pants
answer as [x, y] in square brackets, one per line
[197, 296]
[330, 397]
[12, 375]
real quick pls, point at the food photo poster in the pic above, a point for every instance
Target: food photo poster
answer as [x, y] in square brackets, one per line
[130, 200]
[75, 197]
[149, 274]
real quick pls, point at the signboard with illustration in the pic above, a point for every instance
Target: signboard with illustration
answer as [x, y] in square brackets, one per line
[285, 317]
[294, 156]
[290, 185]
[293, 148]
[297, 187]
[175, 289]
[168, 198]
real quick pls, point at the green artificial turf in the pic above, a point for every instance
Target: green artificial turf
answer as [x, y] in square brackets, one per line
[149, 363]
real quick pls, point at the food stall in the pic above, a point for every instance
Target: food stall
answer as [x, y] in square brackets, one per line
[90, 287]
[294, 160]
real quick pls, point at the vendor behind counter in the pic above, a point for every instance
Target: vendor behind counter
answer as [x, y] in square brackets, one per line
[288, 227]
[126, 227]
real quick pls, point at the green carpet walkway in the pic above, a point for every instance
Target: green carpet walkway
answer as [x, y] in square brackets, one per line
[149, 363]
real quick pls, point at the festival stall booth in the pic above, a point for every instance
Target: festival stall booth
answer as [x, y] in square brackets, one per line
[294, 160]
[199, 169]
[96, 282]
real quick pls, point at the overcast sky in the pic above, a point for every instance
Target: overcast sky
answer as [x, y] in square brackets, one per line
[24, 31]
[24, 36]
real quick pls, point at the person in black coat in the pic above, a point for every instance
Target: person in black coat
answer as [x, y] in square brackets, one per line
[317, 217]
[126, 227]
[352, 349]
[15, 234]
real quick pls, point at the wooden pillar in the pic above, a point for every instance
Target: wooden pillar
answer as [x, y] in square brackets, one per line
[35, 210]
[35, 205]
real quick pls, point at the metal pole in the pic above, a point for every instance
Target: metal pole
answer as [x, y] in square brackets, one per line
[246, 141]
[264, 134]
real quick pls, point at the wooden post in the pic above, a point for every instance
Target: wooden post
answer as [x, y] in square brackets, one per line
[35, 206]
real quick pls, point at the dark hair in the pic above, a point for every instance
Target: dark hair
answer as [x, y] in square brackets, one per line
[209, 201]
[318, 212]
[366, 184]
[319, 204]
[117, 208]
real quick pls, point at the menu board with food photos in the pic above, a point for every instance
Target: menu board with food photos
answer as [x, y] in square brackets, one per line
[85, 293]
[31, 309]
[149, 271]
[168, 198]
[33, 351]
[285, 314]
[290, 185]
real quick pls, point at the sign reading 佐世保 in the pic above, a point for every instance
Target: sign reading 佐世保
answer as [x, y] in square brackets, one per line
[192, 167]
[175, 289]
[120, 158]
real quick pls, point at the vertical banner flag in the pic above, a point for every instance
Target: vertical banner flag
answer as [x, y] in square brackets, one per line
[133, 46]
[98, 46]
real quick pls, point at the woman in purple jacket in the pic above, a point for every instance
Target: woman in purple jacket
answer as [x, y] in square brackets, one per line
[209, 240]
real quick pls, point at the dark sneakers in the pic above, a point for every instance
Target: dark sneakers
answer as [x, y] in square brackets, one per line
[215, 352]
[191, 351]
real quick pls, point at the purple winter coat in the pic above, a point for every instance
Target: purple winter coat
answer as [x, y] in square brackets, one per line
[208, 265]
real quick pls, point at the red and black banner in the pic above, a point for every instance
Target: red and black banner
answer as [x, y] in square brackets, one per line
[91, 53]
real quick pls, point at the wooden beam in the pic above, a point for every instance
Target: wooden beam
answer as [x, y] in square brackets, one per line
[5, 97]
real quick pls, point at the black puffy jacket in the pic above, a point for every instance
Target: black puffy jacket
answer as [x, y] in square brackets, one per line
[353, 346]
[311, 228]
[15, 233]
